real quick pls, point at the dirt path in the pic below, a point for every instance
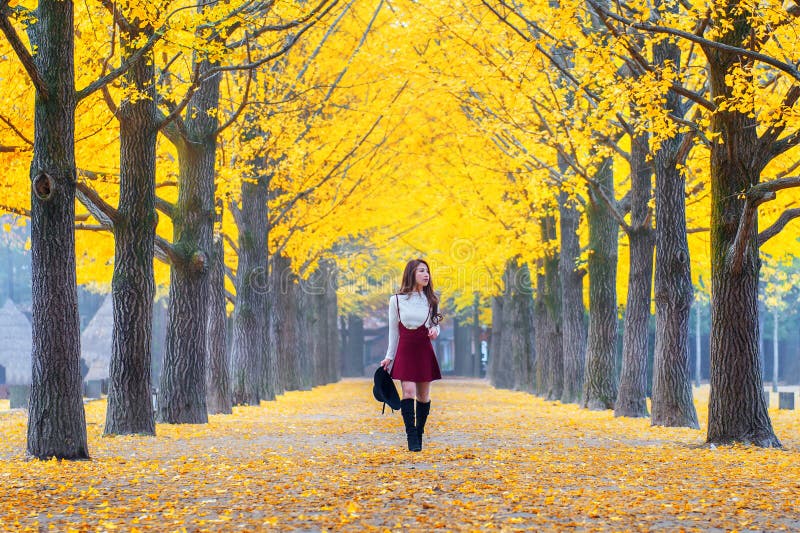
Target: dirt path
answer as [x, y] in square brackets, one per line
[328, 460]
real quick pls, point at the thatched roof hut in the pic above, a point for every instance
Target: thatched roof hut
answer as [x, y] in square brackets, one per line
[96, 341]
[15, 344]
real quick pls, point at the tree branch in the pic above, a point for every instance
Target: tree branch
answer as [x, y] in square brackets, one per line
[99, 208]
[120, 70]
[778, 225]
[168, 208]
[91, 227]
[703, 42]
[107, 216]
[243, 103]
[21, 211]
[230, 242]
[769, 140]
[16, 130]
[755, 196]
[24, 56]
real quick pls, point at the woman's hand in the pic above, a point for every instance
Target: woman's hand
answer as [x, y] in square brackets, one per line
[386, 363]
[433, 332]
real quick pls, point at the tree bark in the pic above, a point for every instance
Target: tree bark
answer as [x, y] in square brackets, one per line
[498, 351]
[549, 346]
[600, 386]
[522, 330]
[462, 348]
[130, 405]
[632, 398]
[218, 389]
[332, 312]
[283, 324]
[248, 349]
[737, 409]
[56, 420]
[354, 347]
[476, 340]
[513, 367]
[672, 391]
[182, 396]
[573, 321]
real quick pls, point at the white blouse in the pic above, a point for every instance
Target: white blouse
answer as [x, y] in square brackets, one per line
[414, 310]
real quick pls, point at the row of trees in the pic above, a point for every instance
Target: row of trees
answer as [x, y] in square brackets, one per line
[247, 145]
[730, 133]
[238, 181]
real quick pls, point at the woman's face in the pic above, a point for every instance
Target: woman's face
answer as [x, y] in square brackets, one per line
[421, 275]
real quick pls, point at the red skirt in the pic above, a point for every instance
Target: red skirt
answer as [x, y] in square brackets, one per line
[415, 360]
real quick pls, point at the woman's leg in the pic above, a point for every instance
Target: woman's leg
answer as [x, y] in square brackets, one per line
[407, 410]
[423, 391]
[423, 407]
[410, 390]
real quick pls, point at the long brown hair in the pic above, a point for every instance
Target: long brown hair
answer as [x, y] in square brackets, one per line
[409, 281]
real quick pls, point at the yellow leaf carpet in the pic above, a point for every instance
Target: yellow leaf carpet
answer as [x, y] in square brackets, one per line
[327, 459]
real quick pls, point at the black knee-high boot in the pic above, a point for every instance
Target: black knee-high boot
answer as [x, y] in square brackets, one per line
[407, 410]
[422, 415]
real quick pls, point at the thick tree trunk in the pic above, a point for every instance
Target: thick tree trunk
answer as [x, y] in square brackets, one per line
[130, 405]
[476, 340]
[307, 323]
[737, 409]
[600, 386]
[498, 351]
[632, 398]
[548, 296]
[462, 348]
[332, 315]
[218, 389]
[522, 330]
[325, 336]
[573, 321]
[248, 349]
[514, 368]
[313, 322]
[354, 347]
[672, 391]
[182, 396]
[56, 420]
[283, 324]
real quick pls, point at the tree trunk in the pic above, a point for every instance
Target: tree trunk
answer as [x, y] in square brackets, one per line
[600, 386]
[498, 360]
[218, 389]
[248, 349]
[522, 330]
[512, 357]
[312, 324]
[632, 398]
[573, 322]
[332, 314]
[672, 391]
[476, 341]
[354, 348]
[775, 353]
[461, 348]
[737, 409]
[698, 347]
[549, 295]
[130, 405]
[283, 327]
[305, 327]
[182, 396]
[56, 420]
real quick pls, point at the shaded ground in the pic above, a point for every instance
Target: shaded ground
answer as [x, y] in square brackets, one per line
[327, 459]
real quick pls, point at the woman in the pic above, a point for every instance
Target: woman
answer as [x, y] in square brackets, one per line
[413, 323]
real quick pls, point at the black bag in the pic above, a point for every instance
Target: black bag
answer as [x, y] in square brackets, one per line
[384, 389]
